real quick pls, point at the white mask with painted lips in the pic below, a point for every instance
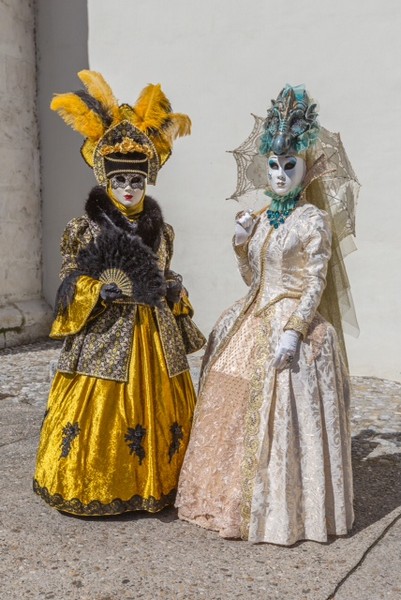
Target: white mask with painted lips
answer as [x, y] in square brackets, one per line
[128, 188]
[285, 173]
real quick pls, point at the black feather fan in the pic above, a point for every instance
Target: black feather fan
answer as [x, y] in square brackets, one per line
[122, 257]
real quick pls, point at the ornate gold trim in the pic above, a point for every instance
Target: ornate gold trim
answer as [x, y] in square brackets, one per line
[111, 173]
[127, 145]
[293, 295]
[297, 324]
[252, 418]
[252, 424]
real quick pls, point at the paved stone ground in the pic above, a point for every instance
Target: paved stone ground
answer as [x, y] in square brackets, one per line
[49, 555]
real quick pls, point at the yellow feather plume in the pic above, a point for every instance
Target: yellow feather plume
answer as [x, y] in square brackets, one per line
[163, 147]
[75, 113]
[152, 108]
[98, 87]
[180, 125]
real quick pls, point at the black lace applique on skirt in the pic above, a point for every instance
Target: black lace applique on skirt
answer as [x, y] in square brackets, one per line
[178, 436]
[70, 432]
[134, 439]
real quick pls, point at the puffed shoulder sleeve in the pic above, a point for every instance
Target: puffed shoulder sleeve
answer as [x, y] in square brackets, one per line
[76, 236]
[80, 293]
[317, 252]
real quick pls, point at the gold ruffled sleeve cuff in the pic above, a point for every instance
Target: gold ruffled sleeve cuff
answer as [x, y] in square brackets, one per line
[183, 307]
[297, 324]
[75, 317]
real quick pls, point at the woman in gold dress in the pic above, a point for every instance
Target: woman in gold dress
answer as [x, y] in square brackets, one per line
[269, 458]
[120, 408]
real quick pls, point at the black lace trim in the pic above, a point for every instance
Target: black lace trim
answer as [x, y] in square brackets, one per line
[70, 432]
[178, 436]
[135, 436]
[98, 509]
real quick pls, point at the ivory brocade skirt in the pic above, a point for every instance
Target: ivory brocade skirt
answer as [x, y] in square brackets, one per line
[269, 458]
[108, 447]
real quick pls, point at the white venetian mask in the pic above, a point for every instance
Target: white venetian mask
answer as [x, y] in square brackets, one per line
[128, 188]
[285, 173]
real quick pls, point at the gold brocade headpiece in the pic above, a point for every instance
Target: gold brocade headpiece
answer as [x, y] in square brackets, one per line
[121, 138]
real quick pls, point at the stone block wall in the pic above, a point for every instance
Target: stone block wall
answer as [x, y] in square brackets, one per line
[24, 316]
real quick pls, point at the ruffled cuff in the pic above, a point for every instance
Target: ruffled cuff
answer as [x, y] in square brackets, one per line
[297, 324]
[76, 315]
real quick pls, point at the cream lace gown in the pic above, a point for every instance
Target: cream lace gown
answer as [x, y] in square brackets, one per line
[269, 455]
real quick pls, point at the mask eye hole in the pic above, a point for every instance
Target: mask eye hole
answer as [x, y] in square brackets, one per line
[273, 164]
[135, 180]
[290, 164]
[120, 178]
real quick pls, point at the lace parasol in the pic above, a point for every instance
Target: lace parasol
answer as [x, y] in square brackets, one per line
[339, 181]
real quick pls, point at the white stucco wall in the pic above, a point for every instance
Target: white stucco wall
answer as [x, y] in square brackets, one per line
[220, 61]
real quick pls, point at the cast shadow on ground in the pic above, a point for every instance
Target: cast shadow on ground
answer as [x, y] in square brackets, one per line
[42, 343]
[377, 489]
[166, 515]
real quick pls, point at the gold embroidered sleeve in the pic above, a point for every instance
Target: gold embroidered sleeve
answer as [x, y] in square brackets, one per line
[165, 257]
[76, 236]
[77, 314]
[169, 235]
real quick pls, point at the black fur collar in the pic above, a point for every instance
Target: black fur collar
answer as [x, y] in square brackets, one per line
[148, 226]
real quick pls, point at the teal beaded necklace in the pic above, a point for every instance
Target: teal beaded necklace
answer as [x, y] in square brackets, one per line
[282, 206]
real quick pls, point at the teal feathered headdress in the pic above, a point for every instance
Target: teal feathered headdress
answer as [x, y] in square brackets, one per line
[291, 125]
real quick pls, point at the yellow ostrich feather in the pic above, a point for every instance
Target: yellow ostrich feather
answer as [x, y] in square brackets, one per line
[163, 140]
[98, 87]
[152, 108]
[163, 147]
[75, 113]
[180, 125]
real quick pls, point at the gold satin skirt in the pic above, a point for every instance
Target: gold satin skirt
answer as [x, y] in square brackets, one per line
[108, 447]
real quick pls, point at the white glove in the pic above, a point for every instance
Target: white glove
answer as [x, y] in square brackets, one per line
[244, 224]
[286, 349]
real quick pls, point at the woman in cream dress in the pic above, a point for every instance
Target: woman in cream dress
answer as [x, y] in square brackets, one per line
[269, 458]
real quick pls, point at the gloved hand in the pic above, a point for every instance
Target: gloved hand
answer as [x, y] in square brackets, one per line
[244, 224]
[110, 292]
[286, 349]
